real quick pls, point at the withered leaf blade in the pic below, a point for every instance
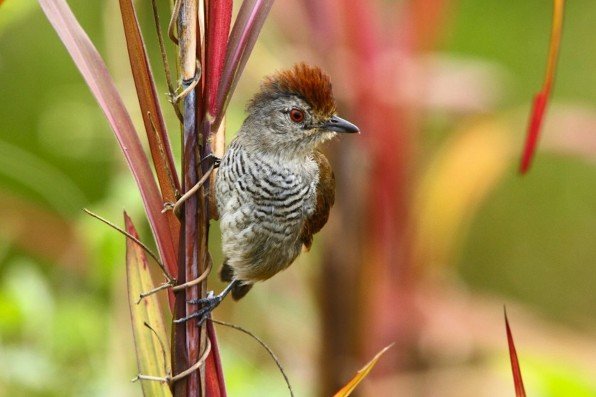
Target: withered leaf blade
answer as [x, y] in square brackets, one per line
[360, 375]
[151, 345]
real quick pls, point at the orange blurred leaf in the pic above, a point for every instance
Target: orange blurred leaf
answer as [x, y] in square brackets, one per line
[151, 345]
[541, 99]
[360, 375]
[515, 369]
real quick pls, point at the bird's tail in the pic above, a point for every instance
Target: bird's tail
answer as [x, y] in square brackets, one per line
[226, 273]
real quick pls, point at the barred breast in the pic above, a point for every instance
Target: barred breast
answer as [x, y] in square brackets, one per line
[263, 203]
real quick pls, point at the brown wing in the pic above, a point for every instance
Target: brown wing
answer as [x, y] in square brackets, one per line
[325, 200]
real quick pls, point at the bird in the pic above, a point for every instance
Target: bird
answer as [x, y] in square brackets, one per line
[274, 188]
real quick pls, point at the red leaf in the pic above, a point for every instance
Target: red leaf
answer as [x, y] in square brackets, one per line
[515, 369]
[245, 32]
[95, 73]
[155, 127]
[214, 382]
[541, 99]
[219, 17]
[151, 346]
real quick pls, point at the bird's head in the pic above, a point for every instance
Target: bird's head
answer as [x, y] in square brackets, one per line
[294, 111]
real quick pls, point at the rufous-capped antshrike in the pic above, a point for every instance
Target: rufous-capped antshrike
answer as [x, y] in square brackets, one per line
[274, 189]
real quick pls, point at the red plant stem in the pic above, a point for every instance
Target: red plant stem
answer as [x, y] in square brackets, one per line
[515, 368]
[541, 99]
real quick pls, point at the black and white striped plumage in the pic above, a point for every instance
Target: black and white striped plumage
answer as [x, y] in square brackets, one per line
[273, 188]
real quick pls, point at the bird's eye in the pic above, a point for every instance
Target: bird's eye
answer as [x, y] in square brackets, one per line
[296, 115]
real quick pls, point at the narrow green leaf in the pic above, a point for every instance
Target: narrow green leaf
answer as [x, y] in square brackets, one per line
[151, 344]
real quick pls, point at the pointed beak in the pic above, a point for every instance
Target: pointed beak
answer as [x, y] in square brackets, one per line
[338, 124]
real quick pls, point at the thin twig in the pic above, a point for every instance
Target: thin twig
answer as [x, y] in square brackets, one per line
[161, 379]
[171, 379]
[176, 206]
[166, 285]
[191, 86]
[164, 60]
[196, 281]
[173, 20]
[163, 350]
[197, 365]
[175, 288]
[273, 356]
[133, 238]
[162, 48]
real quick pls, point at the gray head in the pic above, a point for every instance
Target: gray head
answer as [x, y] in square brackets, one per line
[293, 112]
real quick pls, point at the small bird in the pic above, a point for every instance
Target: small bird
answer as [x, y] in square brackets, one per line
[274, 189]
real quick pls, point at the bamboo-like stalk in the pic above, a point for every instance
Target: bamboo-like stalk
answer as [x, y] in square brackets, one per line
[186, 337]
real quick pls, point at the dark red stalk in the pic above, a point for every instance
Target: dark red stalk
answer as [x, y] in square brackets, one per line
[186, 343]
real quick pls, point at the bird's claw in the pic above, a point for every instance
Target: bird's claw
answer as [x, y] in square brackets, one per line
[201, 314]
[211, 299]
[209, 303]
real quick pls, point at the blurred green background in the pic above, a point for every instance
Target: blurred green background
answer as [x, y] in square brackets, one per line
[528, 242]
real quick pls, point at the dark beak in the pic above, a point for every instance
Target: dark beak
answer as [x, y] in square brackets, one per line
[338, 124]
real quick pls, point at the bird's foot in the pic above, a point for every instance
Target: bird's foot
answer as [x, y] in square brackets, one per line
[208, 304]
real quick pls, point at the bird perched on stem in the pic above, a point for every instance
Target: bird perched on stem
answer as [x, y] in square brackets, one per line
[274, 189]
